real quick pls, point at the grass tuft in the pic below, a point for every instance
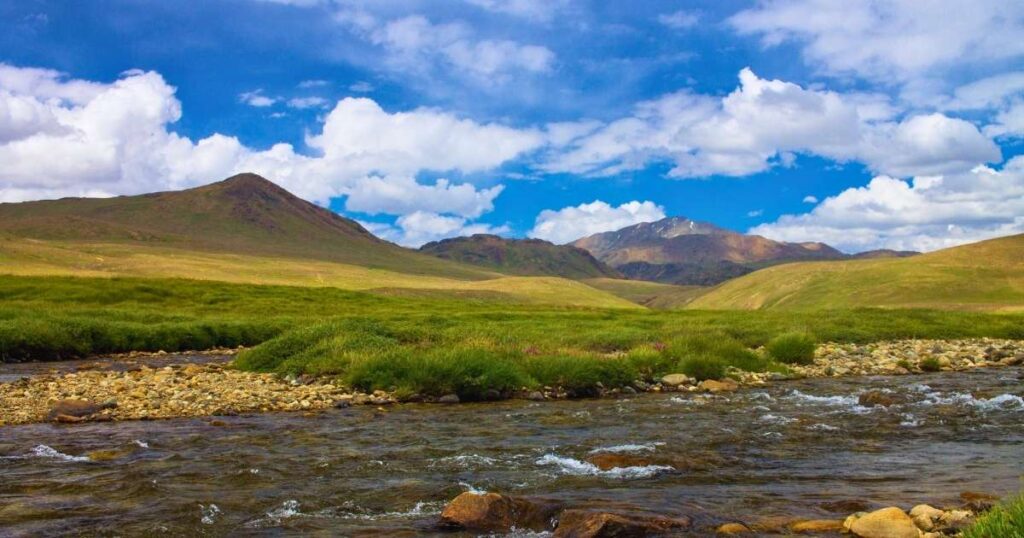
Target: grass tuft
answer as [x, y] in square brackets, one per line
[792, 348]
[1004, 521]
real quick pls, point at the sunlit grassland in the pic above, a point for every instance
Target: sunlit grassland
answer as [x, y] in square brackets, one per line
[37, 258]
[985, 276]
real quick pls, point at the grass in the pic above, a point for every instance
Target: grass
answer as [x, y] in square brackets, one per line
[1003, 521]
[929, 364]
[430, 343]
[985, 276]
[792, 348]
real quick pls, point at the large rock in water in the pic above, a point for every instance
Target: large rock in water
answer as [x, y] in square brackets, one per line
[610, 461]
[493, 512]
[885, 523]
[74, 410]
[590, 524]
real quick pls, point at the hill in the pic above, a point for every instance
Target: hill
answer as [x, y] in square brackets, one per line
[528, 257]
[681, 251]
[981, 276]
[244, 214]
[246, 229]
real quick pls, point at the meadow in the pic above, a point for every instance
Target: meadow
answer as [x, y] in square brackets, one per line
[433, 342]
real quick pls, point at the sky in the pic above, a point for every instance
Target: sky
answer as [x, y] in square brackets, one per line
[871, 124]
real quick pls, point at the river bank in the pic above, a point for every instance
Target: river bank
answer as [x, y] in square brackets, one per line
[157, 386]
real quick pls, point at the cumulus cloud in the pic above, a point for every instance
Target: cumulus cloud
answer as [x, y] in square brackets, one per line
[810, 199]
[87, 139]
[361, 87]
[571, 223]
[890, 41]
[927, 213]
[257, 99]
[679, 20]
[307, 102]
[419, 227]
[763, 123]
[535, 10]
[415, 45]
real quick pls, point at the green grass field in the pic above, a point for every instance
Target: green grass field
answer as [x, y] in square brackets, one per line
[981, 276]
[429, 342]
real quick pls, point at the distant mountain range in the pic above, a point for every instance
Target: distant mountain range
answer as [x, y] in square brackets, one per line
[528, 257]
[681, 251]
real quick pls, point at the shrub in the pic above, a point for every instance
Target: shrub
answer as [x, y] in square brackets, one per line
[703, 367]
[580, 374]
[723, 349]
[929, 364]
[792, 348]
[1003, 521]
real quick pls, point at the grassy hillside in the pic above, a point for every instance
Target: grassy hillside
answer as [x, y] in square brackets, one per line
[244, 214]
[982, 276]
[650, 294]
[528, 257]
[75, 258]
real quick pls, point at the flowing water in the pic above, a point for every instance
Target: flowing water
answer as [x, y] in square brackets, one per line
[787, 450]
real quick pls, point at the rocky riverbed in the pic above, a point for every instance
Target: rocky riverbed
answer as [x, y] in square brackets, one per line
[156, 388]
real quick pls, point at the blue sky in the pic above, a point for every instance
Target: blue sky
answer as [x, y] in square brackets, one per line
[865, 125]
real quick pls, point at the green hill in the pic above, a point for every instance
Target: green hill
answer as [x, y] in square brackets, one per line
[528, 257]
[981, 276]
[244, 214]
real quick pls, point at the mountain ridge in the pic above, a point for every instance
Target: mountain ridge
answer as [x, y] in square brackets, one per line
[528, 257]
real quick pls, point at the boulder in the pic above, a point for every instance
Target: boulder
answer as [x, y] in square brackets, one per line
[925, 516]
[978, 502]
[590, 524]
[732, 529]
[722, 385]
[611, 461]
[815, 526]
[872, 398]
[674, 380]
[449, 399]
[494, 512]
[64, 410]
[885, 523]
[535, 396]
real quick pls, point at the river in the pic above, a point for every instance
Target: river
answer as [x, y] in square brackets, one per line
[796, 449]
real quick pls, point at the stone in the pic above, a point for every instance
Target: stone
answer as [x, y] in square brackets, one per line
[925, 516]
[449, 399]
[76, 409]
[732, 528]
[612, 461]
[885, 523]
[535, 396]
[872, 398]
[495, 512]
[815, 526]
[976, 501]
[674, 380]
[592, 524]
[723, 385]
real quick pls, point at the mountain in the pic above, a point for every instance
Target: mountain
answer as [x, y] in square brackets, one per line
[981, 276]
[681, 251]
[244, 214]
[529, 257]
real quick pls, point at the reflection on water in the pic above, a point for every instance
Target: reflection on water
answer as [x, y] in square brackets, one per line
[790, 449]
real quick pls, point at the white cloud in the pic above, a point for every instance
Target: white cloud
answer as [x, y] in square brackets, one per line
[1009, 122]
[762, 123]
[890, 40]
[118, 142]
[307, 102]
[256, 98]
[571, 223]
[755, 213]
[415, 45]
[810, 199]
[361, 87]
[990, 92]
[417, 228]
[536, 10]
[928, 213]
[679, 20]
[314, 83]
